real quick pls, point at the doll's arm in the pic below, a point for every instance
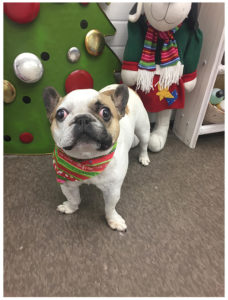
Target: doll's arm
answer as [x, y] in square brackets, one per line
[129, 77]
[191, 59]
[132, 52]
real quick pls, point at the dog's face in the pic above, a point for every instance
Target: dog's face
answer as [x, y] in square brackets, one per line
[85, 123]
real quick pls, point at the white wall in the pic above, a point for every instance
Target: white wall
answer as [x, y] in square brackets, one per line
[118, 15]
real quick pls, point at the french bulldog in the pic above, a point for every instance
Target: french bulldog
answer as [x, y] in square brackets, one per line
[93, 133]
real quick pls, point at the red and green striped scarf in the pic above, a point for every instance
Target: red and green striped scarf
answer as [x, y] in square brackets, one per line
[169, 52]
[171, 69]
[68, 168]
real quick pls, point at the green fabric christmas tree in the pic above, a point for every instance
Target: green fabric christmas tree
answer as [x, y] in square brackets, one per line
[56, 28]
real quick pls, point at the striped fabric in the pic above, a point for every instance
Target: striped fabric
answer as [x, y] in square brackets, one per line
[68, 168]
[169, 52]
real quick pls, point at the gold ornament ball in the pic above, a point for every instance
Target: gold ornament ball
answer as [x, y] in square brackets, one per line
[94, 42]
[9, 92]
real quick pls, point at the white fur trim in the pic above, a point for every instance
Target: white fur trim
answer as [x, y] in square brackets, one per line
[129, 77]
[189, 86]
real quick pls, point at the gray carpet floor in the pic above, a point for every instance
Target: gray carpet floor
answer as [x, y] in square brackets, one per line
[174, 245]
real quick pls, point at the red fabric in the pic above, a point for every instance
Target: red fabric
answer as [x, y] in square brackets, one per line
[66, 171]
[71, 169]
[152, 102]
[130, 65]
[189, 77]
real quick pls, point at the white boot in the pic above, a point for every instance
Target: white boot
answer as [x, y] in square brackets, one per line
[159, 135]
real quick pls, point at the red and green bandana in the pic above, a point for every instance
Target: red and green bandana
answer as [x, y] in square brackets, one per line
[68, 168]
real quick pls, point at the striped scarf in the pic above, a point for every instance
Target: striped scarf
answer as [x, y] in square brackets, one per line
[169, 57]
[71, 169]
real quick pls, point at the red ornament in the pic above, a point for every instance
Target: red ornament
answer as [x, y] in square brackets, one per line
[84, 3]
[77, 80]
[26, 137]
[21, 12]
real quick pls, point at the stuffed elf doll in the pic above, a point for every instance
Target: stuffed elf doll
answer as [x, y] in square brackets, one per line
[160, 59]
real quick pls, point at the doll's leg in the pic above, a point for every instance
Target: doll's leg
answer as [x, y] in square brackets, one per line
[159, 135]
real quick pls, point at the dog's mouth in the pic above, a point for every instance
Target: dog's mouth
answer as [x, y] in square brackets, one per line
[83, 139]
[89, 135]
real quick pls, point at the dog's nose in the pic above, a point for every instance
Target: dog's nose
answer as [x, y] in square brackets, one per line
[83, 120]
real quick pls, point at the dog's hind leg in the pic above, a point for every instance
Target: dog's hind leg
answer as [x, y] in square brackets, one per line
[72, 194]
[142, 131]
[135, 142]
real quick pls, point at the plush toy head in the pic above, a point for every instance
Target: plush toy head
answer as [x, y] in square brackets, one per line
[166, 16]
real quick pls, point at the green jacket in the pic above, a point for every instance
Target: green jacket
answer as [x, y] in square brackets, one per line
[189, 43]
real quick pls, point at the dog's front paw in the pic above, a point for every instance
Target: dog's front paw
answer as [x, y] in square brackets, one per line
[144, 159]
[67, 208]
[116, 222]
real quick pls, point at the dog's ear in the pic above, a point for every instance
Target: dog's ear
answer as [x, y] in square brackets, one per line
[120, 98]
[51, 98]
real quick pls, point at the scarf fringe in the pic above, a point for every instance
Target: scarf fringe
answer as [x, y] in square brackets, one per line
[145, 80]
[168, 76]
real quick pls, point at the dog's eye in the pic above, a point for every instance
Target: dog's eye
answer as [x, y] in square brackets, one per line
[105, 113]
[61, 114]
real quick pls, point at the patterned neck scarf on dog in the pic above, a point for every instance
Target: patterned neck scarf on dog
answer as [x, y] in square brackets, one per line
[68, 168]
[171, 69]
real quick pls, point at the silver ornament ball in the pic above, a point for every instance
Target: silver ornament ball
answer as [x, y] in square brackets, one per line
[28, 67]
[73, 54]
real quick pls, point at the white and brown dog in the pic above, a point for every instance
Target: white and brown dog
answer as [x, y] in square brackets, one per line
[93, 132]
